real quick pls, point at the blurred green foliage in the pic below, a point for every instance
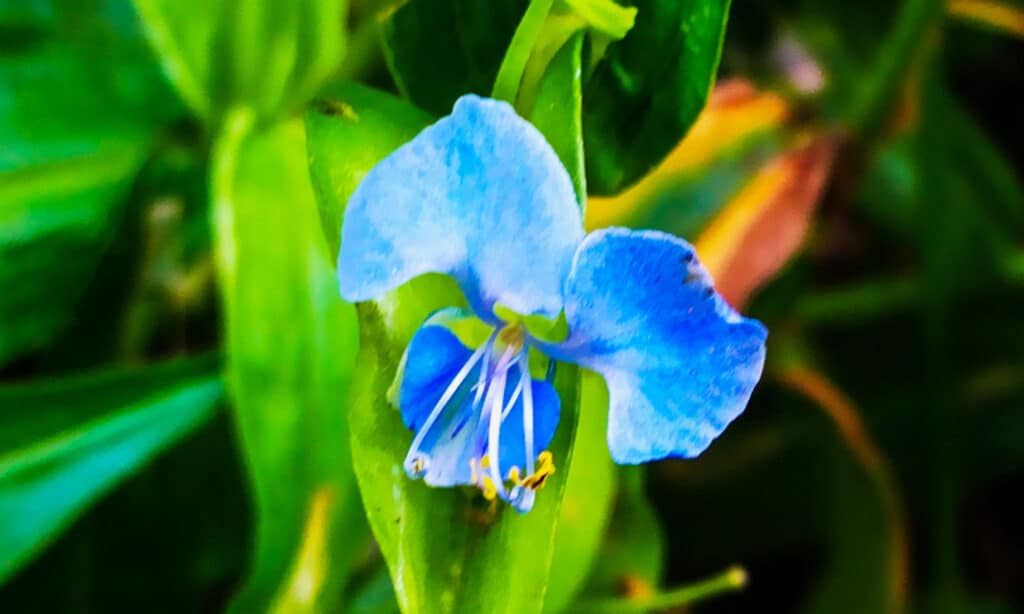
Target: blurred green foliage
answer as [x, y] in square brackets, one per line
[192, 419]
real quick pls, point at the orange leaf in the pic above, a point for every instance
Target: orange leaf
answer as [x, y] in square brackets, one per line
[735, 111]
[764, 225]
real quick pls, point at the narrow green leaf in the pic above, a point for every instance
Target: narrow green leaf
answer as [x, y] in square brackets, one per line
[55, 220]
[64, 443]
[447, 549]
[266, 56]
[291, 343]
[649, 88]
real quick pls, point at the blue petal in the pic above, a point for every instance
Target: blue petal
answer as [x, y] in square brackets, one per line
[432, 360]
[546, 408]
[679, 362]
[480, 196]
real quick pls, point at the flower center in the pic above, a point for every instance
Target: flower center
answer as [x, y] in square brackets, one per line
[503, 384]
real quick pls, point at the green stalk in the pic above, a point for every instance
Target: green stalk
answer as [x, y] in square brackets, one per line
[728, 581]
[897, 57]
[510, 74]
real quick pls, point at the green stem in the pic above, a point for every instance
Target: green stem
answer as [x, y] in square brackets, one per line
[860, 301]
[897, 56]
[238, 122]
[506, 85]
[871, 298]
[728, 581]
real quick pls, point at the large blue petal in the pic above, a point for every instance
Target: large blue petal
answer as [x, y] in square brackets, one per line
[479, 195]
[679, 362]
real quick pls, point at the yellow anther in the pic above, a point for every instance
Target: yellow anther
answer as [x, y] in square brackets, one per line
[513, 474]
[485, 462]
[490, 492]
[417, 465]
[545, 468]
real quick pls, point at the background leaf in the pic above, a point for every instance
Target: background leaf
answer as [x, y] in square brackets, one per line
[438, 50]
[266, 56]
[291, 344]
[81, 100]
[648, 88]
[64, 443]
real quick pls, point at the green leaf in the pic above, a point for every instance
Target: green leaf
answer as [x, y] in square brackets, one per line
[557, 112]
[266, 56]
[291, 344]
[446, 549]
[64, 443]
[438, 50]
[54, 224]
[588, 498]
[79, 103]
[603, 16]
[649, 88]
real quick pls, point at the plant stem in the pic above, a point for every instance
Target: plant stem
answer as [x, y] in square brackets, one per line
[506, 85]
[728, 581]
[896, 58]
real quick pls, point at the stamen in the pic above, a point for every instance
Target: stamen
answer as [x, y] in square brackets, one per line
[417, 462]
[494, 402]
[526, 384]
[537, 479]
[512, 400]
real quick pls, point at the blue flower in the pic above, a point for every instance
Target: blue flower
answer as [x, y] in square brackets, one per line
[482, 197]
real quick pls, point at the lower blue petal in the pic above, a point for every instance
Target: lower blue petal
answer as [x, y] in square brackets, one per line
[679, 362]
[546, 409]
[433, 359]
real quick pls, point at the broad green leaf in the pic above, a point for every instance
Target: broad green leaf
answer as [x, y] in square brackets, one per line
[80, 100]
[377, 596]
[588, 498]
[438, 50]
[64, 443]
[291, 344]
[649, 87]
[266, 56]
[447, 549]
